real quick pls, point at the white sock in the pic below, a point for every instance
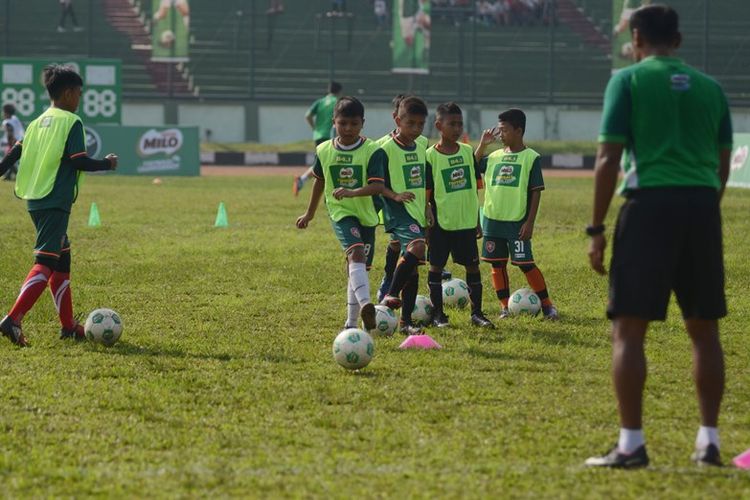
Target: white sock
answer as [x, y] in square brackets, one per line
[352, 308]
[630, 440]
[359, 282]
[707, 436]
[303, 177]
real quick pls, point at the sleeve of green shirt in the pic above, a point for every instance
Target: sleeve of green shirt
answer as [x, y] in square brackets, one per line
[725, 127]
[376, 167]
[536, 180]
[429, 180]
[75, 146]
[313, 109]
[317, 168]
[615, 125]
[482, 166]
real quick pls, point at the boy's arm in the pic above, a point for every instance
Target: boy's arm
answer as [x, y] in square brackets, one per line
[312, 206]
[488, 137]
[10, 159]
[75, 148]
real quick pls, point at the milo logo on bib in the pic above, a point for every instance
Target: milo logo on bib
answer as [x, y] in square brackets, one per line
[456, 179]
[414, 176]
[506, 174]
[346, 176]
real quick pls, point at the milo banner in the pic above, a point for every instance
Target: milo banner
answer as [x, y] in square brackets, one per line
[170, 31]
[411, 36]
[622, 45]
[739, 173]
[147, 150]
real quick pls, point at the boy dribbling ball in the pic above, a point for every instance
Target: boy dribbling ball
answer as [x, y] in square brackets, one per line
[348, 172]
[53, 155]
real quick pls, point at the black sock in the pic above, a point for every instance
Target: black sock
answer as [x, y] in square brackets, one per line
[403, 273]
[474, 280]
[434, 281]
[391, 259]
[409, 297]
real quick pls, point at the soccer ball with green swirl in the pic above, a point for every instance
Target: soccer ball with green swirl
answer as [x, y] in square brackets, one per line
[353, 348]
[103, 326]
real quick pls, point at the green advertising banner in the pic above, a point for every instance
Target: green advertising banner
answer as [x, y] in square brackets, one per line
[147, 150]
[170, 31]
[21, 84]
[622, 45]
[411, 36]
[739, 173]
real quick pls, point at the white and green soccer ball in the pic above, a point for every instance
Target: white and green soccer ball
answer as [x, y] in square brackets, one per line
[524, 301]
[455, 293]
[353, 348]
[385, 321]
[422, 313]
[103, 326]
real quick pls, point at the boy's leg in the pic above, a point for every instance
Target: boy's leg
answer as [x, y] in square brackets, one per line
[409, 299]
[413, 245]
[352, 308]
[523, 257]
[358, 242]
[495, 251]
[59, 287]
[438, 256]
[392, 252]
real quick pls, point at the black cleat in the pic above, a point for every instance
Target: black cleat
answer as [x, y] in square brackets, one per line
[391, 302]
[408, 328]
[367, 313]
[445, 275]
[12, 330]
[75, 333]
[478, 319]
[440, 320]
[616, 460]
[708, 456]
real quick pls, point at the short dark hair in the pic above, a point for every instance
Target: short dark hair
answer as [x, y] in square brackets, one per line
[334, 88]
[658, 24]
[9, 109]
[515, 117]
[397, 101]
[349, 107]
[447, 108]
[58, 78]
[413, 105]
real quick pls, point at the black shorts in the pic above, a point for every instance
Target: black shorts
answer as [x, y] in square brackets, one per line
[461, 244]
[668, 239]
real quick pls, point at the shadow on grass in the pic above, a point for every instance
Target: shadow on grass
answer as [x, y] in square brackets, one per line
[504, 356]
[128, 349]
[561, 337]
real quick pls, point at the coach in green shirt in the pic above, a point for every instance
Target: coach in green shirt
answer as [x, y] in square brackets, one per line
[674, 126]
[320, 118]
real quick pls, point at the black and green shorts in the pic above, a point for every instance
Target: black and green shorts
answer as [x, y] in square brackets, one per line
[51, 232]
[351, 234]
[501, 249]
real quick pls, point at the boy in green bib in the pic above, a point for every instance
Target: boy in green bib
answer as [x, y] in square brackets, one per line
[405, 211]
[53, 155]
[455, 205]
[513, 188]
[348, 172]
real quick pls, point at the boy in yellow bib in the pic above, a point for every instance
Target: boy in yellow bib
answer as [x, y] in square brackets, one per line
[513, 188]
[348, 172]
[53, 155]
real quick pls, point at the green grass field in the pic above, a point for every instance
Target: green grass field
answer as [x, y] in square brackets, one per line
[223, 383]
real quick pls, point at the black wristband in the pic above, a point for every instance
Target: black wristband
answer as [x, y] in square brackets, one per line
[595, 230]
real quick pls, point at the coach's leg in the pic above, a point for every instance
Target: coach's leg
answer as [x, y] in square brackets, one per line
[708, 367]
[629, 368]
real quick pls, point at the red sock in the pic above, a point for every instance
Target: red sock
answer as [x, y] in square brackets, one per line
[536, 282]
[501, 283]
[32, 288]
[59, 286]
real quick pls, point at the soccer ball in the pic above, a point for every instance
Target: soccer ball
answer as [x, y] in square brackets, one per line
[167, 38]
[353, 348]
[385, 320]
[422, 313]
[524, 301]
[103, 326]
[455, 293]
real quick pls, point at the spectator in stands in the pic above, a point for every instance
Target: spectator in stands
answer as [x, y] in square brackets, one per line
[13, 129]
[275, 7]
[182, 7]
[320, 119]
[66, 9]
[380, 8]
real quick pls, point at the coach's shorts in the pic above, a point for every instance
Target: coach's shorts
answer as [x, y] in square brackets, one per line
[351, 234]
[461, 244]
[51, 232]
[500, 249]
[668, 239]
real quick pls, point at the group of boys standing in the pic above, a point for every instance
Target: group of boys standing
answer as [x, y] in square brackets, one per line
[427, 198]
